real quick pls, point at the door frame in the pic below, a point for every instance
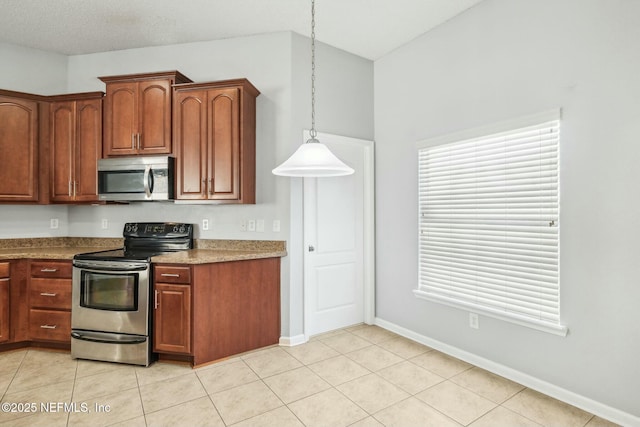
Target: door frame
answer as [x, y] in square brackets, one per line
[368, 230]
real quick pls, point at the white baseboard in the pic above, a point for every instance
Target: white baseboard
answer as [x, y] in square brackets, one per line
[291, 341]
[582, 402]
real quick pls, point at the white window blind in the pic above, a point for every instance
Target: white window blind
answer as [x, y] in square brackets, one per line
[489, 225]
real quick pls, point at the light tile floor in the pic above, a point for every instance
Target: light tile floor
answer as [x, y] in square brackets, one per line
[359, 376]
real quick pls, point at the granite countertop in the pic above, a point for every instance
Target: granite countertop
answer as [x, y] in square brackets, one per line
[210, 251]
[62, 248]
[206, 251]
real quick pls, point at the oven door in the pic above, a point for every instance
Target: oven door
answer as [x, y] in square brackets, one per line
[111, 297]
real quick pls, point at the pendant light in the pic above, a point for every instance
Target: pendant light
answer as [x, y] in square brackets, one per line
[313, 158]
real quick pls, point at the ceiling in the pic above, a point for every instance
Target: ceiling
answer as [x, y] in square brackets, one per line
[368, 28]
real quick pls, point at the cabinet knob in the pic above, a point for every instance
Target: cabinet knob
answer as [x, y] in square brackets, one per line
[311, 248]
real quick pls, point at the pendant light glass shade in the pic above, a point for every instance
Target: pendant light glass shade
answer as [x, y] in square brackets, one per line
[313, 159]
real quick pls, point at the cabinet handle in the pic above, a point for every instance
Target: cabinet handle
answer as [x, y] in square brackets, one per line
[133, 141]
[139, 141]
[47, 294]
[5, 279]
[75, 186]
[210, 185]
[69, 188]
[48, 326]
[170, 275]
[155, 299]
[204, 185]
[48, 270]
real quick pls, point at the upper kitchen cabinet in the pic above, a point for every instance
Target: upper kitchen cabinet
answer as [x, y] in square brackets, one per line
[19, 171]
[214, 133]
[137, 113]
[75, 146]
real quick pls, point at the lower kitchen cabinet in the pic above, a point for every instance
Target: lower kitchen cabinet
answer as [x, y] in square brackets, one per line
[172, 310]
[49, 325]
[50, 301]
[233, 307]
[5, 301]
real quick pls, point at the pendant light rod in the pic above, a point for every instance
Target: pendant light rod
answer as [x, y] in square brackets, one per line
[313, 158]
[313, 132]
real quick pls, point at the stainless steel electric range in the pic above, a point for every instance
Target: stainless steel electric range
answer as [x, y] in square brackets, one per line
[110, 312]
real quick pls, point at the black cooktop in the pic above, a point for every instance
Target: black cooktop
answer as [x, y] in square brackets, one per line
[142, 240]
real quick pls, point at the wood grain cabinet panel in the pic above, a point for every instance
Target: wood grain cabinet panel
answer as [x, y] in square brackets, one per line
[138, 113]
[5, 301]
[214, 133]
[19, 146]
[76, 145]
[172, 318]
[50, 300]
[49, 325]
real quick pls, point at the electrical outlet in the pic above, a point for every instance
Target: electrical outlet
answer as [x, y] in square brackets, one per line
[276, 225]
[205, 224]
[251, 225]
[54, 223]
[473, 321]
[260, 226]
[243, 225]
[105, 223]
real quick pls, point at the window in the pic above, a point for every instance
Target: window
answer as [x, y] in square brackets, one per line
[488, 222]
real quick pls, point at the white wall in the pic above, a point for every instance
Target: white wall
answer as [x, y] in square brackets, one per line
[272, 62]
[32, 71]
[499, 60]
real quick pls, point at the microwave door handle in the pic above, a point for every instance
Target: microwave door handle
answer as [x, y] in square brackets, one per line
[148, 181]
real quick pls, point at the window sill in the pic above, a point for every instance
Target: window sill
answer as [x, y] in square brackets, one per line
[552, 328]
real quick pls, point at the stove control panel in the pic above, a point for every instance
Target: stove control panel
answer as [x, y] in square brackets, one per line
[158, 230]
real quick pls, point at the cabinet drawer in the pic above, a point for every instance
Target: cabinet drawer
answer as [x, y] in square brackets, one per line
[4, 269]
[170, 274]
[50, 325]
[59, 269]
[50, 293]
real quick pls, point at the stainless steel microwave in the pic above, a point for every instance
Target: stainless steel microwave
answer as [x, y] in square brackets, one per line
[136, 178]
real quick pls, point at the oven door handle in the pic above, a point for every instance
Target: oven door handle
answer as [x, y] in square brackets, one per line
[123, 267]
[88, 337]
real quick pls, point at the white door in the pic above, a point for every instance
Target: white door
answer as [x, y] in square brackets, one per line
[338, 229]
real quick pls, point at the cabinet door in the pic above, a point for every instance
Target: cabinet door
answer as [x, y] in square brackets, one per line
[121, 119]
[5, 282]
[62, 134]
[172, 318]
[88, 146]
[154, 117]
[18, 150]
[224, 139]
[190, 135]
